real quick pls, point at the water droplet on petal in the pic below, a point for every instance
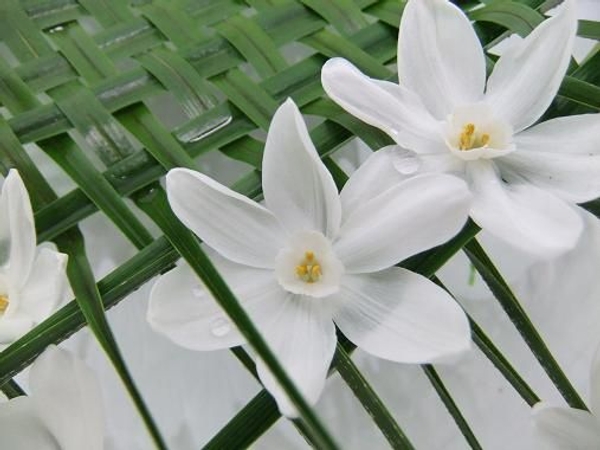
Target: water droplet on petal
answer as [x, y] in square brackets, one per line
[220, 327]
[406, 162]
[198, 291]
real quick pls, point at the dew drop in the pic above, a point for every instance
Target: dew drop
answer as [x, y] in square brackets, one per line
[198, 291]
[406, 162]
[220, 327]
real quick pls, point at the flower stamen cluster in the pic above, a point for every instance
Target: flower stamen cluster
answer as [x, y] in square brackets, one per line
[470, 138]
[309, 270]
[3, 303]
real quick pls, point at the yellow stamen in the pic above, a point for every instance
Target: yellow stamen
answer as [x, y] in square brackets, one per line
[469, 139]
[3, 303]
[309, 270]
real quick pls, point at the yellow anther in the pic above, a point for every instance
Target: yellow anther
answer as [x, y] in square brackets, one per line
[315, 272]
[469, 139]
[301, 271]
[309, 270]
[3, 303]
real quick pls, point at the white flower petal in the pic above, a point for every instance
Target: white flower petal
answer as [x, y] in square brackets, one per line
[408, 218]
[521, 214]
[13, 327]
[439, 56]
[561, 155]
[385, 105]
[376, 175]
[238, 228]
[68, 400]
[401, 316]
[22, 429]
[183, 310]
[302, 336]
[579, 134]
[567, 428]
[297, 186]
[528, 75]
[47, 285]
[572, 177]
[595, 384]
[17, 230]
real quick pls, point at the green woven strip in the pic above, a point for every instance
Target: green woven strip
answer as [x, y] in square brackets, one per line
[331, 45]
[344, 15]
[253, 44]
[99, 129]
[51, 13]
[173, 23]
[194, 94]
[19, 32]
[14, 93]
[46, 72]
[258, 105]
[83, 54]
[64, 151]
[107, 12]
[158, 141]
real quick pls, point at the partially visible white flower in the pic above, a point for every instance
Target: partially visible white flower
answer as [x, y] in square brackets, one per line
[568, 428]
[582, 48]
[32, 280]
[312, 257]
[524, 178]
[63, 412]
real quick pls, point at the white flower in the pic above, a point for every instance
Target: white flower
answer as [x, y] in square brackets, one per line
[568, 428]
[63, 412]
[311, 257]
[524, 178]
[32, 280]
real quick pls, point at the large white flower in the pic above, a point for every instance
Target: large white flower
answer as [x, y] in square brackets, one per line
[62, 412]
[524, 178]
[32, 280]
[571, 429]
[311, 257]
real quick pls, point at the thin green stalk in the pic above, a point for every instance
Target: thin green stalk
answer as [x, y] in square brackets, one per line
[445, 396]
[522, 323]
[494, 355]
[370, 401]
[86, 293]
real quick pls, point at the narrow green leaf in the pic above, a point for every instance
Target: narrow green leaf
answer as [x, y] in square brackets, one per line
[521, 321]
[370, 401]
[89, 300]
[517, 17]
[451, 406]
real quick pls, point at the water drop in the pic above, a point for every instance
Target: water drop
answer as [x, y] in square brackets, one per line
[198, 291]
[406, 162]
[220, 327]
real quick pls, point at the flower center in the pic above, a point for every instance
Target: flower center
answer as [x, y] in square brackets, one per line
[473, 131]
[3, 304]
[307, 265]
[471, 138]
[309, 270]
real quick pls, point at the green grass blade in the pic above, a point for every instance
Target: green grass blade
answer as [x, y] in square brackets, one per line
[451, 406]
[524, 326]
[370, 401]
